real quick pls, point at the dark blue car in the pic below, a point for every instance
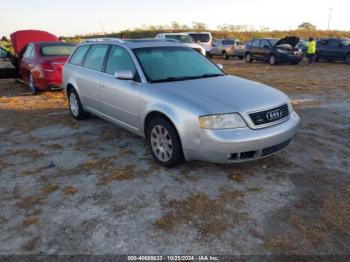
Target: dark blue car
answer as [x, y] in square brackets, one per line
[332, 49]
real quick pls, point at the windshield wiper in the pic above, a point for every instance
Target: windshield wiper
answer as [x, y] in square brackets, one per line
[174, 79]
[210, 75]
[183, 78]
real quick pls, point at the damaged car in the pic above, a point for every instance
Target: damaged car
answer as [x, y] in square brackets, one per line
[274, 51]
[39, 59]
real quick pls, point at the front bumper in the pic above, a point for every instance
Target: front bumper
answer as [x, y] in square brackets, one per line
[244, 144]
[288, 58]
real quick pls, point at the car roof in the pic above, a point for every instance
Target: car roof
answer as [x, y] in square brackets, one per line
[173, 34]
[135, 43]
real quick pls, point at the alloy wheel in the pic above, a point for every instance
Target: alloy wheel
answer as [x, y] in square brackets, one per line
[161, 143]
[73, 104]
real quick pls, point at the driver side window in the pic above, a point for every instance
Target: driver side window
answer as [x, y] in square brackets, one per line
[119, 59]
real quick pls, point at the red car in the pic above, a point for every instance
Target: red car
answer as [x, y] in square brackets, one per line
[39, 59]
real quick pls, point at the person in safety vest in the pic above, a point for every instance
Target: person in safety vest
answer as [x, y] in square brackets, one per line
[6, 44]
[310, 50]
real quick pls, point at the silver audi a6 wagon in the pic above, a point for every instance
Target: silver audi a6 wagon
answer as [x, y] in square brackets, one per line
[183, 104]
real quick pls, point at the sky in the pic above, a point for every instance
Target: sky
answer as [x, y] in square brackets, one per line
[71, 17]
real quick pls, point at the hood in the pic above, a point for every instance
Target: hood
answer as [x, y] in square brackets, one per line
[291, 40]
[21, 39]
[219, 95]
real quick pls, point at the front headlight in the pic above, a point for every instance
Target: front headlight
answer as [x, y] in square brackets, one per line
[225, 121]
[282, 51]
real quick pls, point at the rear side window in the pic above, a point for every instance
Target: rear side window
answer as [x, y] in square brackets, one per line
[228, 42]
[333, 43]
[119, 59]
[95, 57]
[57, 50]
[29, 51]
[78, 56]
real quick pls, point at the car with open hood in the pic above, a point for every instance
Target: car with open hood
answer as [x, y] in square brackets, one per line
[185, 106]
[274, 51]
[39, 58]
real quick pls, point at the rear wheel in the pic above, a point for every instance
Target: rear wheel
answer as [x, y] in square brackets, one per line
[248, 58]
[31, 84]
[224, 56]
[164, 143]
[347, 59]
[272, 60]
[75, 105]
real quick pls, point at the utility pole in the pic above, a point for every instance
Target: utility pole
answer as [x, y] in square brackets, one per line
[330, 18]
[103, 29]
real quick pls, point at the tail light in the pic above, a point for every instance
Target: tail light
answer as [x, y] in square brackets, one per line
[47, 67]
[52, 66]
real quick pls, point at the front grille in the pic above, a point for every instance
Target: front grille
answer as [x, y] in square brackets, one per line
[269, 116]
[273, 149]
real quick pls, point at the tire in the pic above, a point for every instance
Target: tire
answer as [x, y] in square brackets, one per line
[272, 60]
[347, 59]
[164, 143]
[224, 56]
[248, 58]
[75, 105]
[31, 84]
[209, 55]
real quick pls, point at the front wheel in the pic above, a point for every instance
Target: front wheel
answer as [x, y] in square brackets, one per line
[164, 143]
[75, 106]
[272, 60]
[248, 58]
[347, 59]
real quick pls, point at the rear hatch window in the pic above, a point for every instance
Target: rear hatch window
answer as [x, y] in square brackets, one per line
[57, 50]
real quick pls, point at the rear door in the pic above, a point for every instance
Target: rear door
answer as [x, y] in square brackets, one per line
[255, 49]
[26, 63]
[7, 70]
[88, 77]
[120, 97]
[216, 48]
[322, 48]
[264, 49]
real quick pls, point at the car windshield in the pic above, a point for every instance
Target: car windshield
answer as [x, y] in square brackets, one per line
[168, 64]
[57, 50]
[273, 42]
[181, 38]
[346, 43]
[203, 38]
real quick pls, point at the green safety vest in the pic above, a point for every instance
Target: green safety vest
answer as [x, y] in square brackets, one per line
[311, 47]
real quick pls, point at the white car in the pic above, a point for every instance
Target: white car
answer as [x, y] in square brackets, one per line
[203, 38]
[184, 38]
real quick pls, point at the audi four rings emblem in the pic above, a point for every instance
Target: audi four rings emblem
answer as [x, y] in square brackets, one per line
[274, 114]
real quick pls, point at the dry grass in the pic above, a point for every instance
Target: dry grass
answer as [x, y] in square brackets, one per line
[49, 189]
[29, 221]
[31, 244]
[29, 202]
[202, 213]
[70, 190]
[55, 146]
[120, 174]
[25, 152]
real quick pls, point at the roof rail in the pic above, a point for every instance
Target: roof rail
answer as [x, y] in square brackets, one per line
[90, 40]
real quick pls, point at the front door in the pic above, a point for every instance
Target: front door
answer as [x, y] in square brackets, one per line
[120, 97]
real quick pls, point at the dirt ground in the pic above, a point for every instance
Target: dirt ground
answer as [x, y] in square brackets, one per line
[89, 187]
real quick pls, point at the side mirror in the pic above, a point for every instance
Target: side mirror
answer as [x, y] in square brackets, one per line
[124, 75]
[220, 66]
